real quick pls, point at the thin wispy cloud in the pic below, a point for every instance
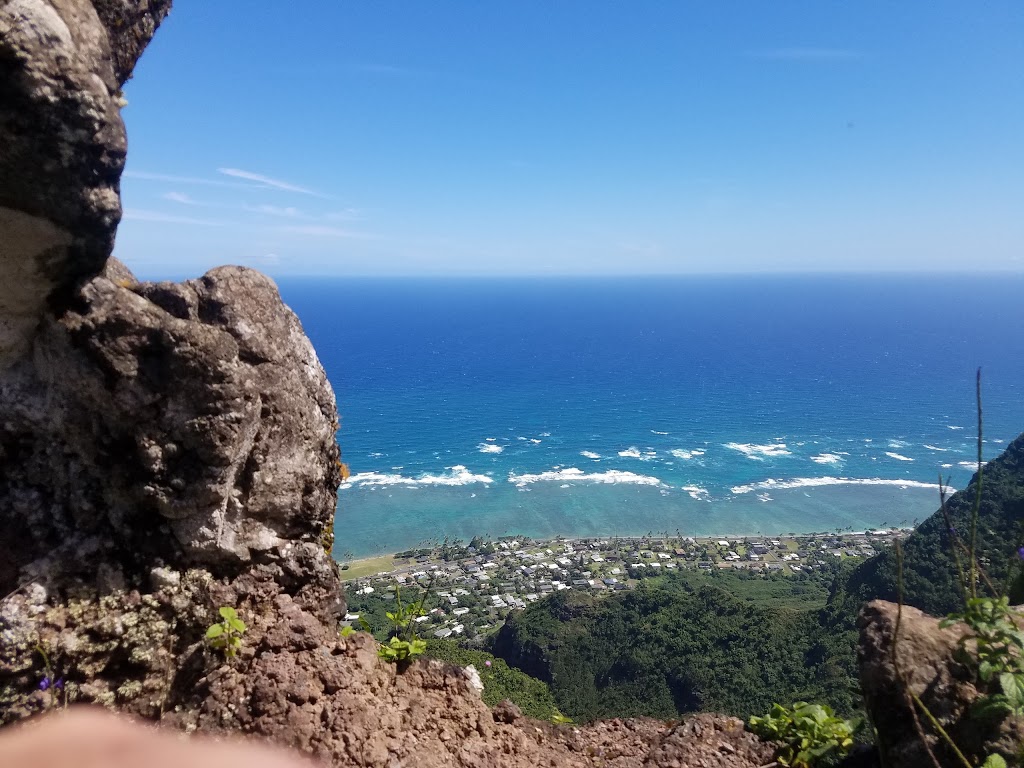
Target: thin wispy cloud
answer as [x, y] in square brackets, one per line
[267, 181]
[275, 210]
[137, 214]
[147, 176]
[316, 230]
[807, 54]
[179, 197]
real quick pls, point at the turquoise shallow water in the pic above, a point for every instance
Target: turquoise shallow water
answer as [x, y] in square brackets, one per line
[705, 405]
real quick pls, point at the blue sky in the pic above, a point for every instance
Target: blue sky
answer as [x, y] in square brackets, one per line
[577, 137]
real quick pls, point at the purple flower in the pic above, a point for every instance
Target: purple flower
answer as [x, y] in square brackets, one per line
[488, 663]
[1020, 553]
[47, 682]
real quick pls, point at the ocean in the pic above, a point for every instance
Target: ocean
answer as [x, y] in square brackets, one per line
[690, 405]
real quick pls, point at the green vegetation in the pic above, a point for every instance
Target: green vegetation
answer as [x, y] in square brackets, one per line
[226, 635]
[808, 734]
[500, 680]
[404, 645]
[995, 653]
[681, 643]
[931, 580]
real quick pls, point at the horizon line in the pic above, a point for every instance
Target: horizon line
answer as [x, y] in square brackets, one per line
[1008, 272]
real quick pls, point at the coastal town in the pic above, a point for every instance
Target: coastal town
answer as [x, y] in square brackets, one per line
[474, 586]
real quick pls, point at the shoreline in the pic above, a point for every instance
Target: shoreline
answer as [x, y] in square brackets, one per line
[410, 557]
[538, 541]
[380, 523]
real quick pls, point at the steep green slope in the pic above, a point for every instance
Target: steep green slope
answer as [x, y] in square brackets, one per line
[929, 573]
[672, 647]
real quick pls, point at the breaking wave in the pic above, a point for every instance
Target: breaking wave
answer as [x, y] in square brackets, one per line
[898, 456]
[827, 458]
[818, 482]
[758, 452]
[457, 475]
[681, 453]
[574, 475]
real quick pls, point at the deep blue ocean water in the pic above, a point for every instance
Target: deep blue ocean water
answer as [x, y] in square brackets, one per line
[702, 405]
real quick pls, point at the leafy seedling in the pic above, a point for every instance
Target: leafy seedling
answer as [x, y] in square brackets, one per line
[226, 635]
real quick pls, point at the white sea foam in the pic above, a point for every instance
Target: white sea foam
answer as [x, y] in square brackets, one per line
[697, 493]
[934, 448]
[457, 475]
[574, 475]
[758, 452]
[490, 448]
[534, 440]
[950, 426]
[656, 432]
[971, 464]
[898, 444]
[590, 454]
[631, 453]
[897, 456]
[764, 497]
[681, 453]
[827, 458]
[1000, 442]
[818, 482]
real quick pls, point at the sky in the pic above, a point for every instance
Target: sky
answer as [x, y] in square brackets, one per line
[577, 137]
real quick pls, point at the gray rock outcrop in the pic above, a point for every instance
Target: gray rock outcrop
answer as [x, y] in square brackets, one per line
[158, 441]
[62, 147]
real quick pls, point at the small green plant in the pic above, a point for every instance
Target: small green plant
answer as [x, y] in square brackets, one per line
[347, 631]
[807, 734]
[404, 645]
[998, 648]
[226, 635]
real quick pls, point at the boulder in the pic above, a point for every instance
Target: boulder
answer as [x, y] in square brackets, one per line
[923, 659]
